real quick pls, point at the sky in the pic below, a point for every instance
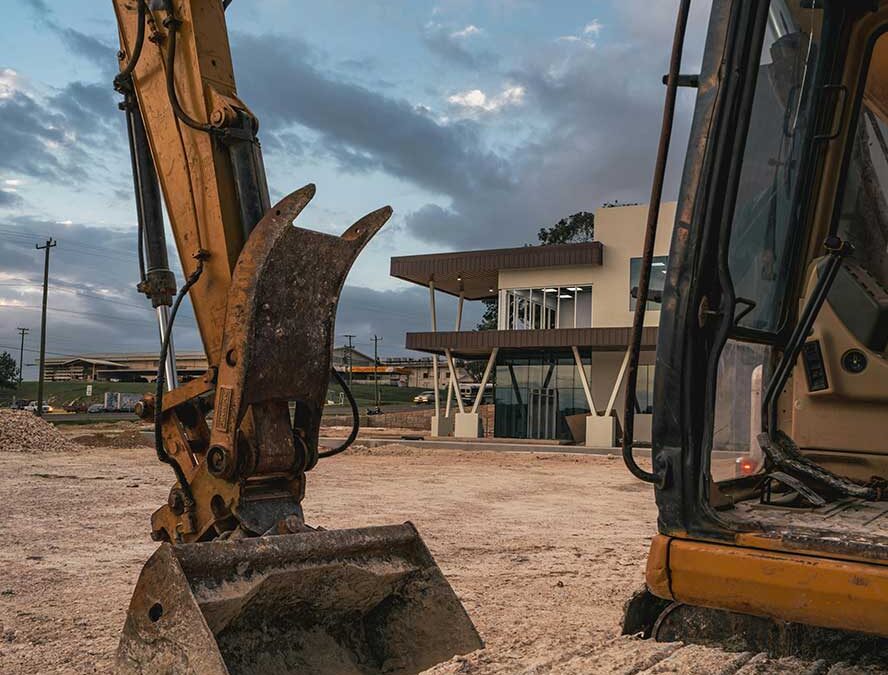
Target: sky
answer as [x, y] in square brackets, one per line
[478, 121]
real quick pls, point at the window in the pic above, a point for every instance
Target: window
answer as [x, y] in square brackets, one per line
[545, 308]
[644, 390]
[863, 217]
[657, 282]
[760, 252]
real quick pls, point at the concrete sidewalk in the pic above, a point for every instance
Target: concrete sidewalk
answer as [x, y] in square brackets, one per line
[504, 445]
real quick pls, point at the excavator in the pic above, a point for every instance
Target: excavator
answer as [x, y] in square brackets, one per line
[241, 583]
[773, 340]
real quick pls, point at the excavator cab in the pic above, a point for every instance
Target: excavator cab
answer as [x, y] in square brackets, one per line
[243, 581]
[770, 435]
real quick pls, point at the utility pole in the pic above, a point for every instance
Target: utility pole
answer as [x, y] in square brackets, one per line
[22, 332]
[46, 247]
[376, 340]
[348, 358]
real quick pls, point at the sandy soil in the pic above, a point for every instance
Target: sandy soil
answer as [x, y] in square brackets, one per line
[542, 549]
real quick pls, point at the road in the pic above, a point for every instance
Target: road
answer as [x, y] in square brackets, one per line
[80, 418]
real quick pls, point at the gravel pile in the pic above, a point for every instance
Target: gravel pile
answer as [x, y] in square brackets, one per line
[22, 431]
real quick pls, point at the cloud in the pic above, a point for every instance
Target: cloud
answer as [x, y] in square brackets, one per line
[9, 199]
[98, 52]
[10, 82]
[468, 31]
[586, 132]
[361, 128]
[477, 100]
[39, 136]
[447, 44]
[593, 28]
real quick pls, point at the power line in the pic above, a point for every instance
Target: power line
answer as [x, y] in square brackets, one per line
[87, 294]
[93, 315]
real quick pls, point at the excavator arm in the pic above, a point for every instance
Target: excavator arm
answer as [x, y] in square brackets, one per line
[237, 553]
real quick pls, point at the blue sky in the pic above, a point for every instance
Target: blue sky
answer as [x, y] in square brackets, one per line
[479, 121]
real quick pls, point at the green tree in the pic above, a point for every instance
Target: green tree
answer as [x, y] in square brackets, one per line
[574, 229]
[8, 371]
[489, 320]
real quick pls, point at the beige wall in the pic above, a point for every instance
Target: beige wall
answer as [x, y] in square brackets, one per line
[621, 232]
[548, 276]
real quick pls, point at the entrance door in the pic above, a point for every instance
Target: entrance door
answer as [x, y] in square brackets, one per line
[542, 413]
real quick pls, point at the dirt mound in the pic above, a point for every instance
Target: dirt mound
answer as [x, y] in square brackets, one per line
[22, 431]
[126, 439]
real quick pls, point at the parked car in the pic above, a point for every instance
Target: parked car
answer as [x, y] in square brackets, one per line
[96, 408]
[32, 407]
[424, 397]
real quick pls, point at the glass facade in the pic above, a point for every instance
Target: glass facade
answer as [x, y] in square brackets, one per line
[545, 308]
[535, 393]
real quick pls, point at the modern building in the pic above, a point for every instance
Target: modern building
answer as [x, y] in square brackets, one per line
[558, 355]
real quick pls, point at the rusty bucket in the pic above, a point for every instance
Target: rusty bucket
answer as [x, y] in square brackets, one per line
[338, 602]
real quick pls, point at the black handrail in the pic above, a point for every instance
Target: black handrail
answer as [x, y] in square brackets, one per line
[650, 236]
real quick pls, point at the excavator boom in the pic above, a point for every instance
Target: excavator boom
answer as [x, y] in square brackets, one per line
[241, 584]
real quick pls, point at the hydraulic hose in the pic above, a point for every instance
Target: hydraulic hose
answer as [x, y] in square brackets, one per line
[356, 420]
[162, 454]
[172, 25]
[130, 66]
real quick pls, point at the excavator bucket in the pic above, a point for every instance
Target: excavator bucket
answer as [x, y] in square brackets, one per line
[338, 602]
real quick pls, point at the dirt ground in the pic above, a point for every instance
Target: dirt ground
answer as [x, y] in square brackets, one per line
[542, 549]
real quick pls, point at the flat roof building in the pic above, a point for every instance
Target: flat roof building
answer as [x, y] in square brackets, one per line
[120, 367]
[564, 315]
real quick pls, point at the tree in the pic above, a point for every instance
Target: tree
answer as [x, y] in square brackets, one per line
[8, 371]
[489, 320]
[576, 228]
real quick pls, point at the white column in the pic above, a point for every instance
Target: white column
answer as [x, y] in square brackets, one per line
[434, 356]
[484, 379]
[451, 384]
[449, 355]
[583, 379]
[620, 376]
